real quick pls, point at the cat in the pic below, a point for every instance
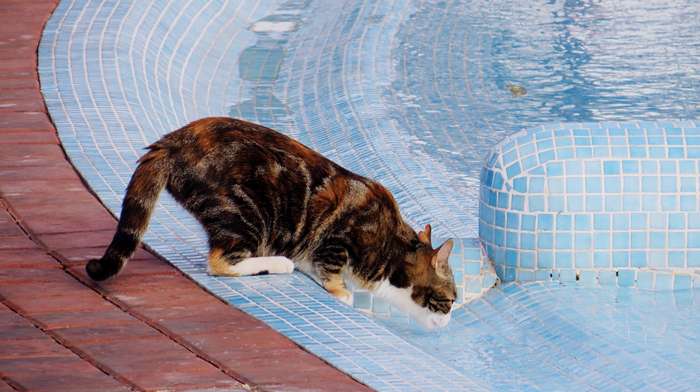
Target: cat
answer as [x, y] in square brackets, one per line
[265, 199]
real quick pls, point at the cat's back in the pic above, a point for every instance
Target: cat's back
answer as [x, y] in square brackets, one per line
[272, 178]
[222, 140]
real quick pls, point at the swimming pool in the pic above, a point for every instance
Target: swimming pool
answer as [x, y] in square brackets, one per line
[413, 94]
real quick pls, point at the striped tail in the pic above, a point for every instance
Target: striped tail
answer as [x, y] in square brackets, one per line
[148, 181]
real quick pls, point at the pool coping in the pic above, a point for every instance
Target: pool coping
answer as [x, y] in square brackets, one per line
[44, 250]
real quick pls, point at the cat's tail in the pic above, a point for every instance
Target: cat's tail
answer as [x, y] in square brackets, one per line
[147, 182]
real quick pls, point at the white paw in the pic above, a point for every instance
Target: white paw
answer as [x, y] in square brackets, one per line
[346, 298]
[286, 266]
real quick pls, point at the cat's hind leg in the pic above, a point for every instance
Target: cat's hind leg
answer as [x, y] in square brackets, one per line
[220, 265]
[233, 244]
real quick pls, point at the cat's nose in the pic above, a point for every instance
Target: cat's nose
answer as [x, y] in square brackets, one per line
[446, 319]
[440, 321]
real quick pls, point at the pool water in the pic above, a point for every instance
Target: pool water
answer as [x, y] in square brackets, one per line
[576, 61]
[439, 76]
[548, 337]
[413, 94]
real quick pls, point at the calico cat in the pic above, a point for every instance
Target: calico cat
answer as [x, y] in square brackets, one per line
[265, 199]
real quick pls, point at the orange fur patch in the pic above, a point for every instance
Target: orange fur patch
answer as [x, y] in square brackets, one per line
[218, 265]
[336, 286]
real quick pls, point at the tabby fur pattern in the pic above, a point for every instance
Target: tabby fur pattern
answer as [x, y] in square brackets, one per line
[269, 204]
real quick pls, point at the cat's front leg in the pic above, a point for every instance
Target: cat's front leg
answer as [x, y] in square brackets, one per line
[329, 261]
[335, 285]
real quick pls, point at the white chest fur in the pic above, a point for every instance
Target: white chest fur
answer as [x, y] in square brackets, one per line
[401, 298]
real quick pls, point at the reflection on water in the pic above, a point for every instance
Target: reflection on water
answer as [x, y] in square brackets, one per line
[553, 337]
[577, 61]
[595, 60]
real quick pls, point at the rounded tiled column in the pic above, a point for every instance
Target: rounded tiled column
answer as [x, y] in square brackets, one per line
[608, 203]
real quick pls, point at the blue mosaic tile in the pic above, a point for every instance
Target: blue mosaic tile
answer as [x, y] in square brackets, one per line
[624, 220]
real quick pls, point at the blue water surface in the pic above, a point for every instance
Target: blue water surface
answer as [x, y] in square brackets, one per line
[577, 61]
[548, 336]
[428, 87]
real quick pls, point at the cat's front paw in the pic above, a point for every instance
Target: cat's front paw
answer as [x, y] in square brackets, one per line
[344, 296]
[286, 266]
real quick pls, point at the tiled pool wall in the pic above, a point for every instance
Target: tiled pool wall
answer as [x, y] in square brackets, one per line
[118, 75]
[324, 75]
[603, 203]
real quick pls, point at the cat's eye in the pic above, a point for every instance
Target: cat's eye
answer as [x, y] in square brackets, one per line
[440, 304]
[440, 299]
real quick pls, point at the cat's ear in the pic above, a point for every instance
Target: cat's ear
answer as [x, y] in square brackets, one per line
[424, 236]
[442, 254]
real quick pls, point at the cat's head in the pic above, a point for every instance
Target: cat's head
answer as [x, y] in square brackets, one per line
[425, 288]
